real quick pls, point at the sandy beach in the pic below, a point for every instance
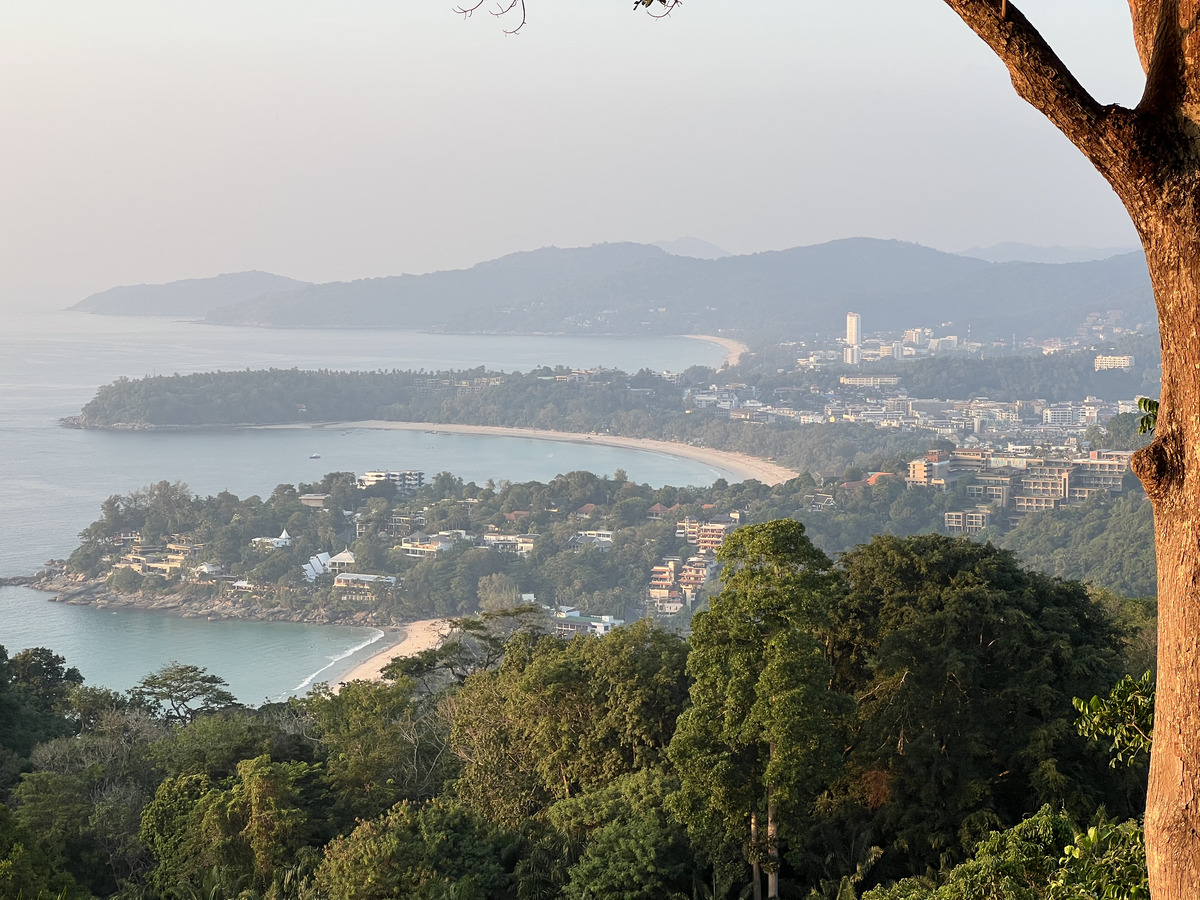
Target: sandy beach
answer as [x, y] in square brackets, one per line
[734, 350]
[410, 640]
[742, 466]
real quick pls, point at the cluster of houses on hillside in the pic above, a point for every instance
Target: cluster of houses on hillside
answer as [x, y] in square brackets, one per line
[676, 582]
[179, 556]
[859, 400]
[1008, 484]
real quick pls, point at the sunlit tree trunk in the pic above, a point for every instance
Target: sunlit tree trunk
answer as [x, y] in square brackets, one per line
[1151, 156]
[755, 866]
[772, 848]
[1170, 470]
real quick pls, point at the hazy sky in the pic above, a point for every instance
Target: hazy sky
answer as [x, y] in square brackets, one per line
[150, 140]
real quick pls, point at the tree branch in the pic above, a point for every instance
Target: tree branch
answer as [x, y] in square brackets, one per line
[668, 7]
[1164, 60]
[501, 10]
[1041, 78]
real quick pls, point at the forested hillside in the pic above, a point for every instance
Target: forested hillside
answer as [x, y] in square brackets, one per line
[191, 298]
[633, 288]
[805, 733]
[636, 288]
[641, 405]
[1108, 544]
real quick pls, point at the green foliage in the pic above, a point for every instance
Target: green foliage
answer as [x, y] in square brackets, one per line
[124, 581]
[256, 825]
[214, 744]
[1015, 864]
[417, 851]
[1137, 620]
[1107, 543]
[562, 718]
[940, 639]
[380, 743]
[1107, 862]
[603, 405]
[1149, 420]
[55, 806]
[632, 847]
[25, 869]
[84, 798]
[1053, 377]
[469, 644]
[1042, 858]
[169, 828]
[179, 693]
[1126, 717]
[853, 706]
[34, 686]
[763, 729]
[244, 830]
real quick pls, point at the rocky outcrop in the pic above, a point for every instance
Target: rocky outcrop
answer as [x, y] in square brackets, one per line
[95, 592]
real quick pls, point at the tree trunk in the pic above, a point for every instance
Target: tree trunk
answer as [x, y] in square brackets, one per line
[1151, 156]
[755, 866]
[1170, 470]
[772, 849]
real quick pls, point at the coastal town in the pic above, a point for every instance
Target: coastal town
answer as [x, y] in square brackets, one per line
[385, 525]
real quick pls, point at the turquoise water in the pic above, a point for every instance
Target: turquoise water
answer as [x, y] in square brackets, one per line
[261, 661]
[52, 480]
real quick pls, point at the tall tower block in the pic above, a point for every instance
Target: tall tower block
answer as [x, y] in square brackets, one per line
[853, 335]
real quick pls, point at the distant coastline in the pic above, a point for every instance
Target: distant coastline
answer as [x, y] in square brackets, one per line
[734, 350]
[406, 640]
[741, 465]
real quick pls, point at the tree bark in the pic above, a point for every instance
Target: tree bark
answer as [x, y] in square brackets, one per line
[772, 850]
[1170, 470]
[755, 866]
[1151, 157]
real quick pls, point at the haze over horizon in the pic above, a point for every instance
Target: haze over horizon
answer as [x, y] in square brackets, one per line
[162, 142]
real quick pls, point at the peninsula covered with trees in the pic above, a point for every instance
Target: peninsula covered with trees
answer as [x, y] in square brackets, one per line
[813, 419]
[223, 556]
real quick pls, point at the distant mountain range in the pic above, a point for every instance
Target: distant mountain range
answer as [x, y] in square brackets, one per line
[690, 246]
[1013, 251]
[639, 288]
[192, 297]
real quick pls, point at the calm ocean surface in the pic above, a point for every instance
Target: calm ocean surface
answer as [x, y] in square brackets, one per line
[52, 480]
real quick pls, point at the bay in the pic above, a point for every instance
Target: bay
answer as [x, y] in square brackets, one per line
[52, 480]
[262, 661]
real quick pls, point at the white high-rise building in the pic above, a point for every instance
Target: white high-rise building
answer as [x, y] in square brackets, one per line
[853, 335]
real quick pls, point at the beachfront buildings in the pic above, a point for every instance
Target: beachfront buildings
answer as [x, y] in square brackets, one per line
[179, 554]
[357, 586]
[408, 482]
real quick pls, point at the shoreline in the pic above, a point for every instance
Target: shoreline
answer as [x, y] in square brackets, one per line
[734, 350]
[741, 465]
[404, 640]
[80, 591]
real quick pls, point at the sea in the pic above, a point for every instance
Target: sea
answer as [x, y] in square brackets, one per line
[53, 479]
